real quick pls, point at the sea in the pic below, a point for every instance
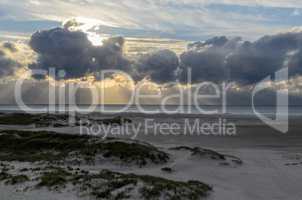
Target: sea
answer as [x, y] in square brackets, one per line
[158, 109]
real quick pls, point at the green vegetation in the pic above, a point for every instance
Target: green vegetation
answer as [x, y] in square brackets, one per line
[134, 152]
[54, 178]
[110, 185]
[4, 175]
[13, 180]
[207, 153]
[17, 119]
[196, 151]
[167, 169]
[58, 148]
[114, 121]
[31, 119]
[113, 185]
[54, 120]
[150, 187]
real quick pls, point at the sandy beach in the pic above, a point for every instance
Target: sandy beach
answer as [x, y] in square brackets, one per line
[271, 161]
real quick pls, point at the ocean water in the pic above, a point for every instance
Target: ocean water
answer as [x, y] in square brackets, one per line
[157, 109]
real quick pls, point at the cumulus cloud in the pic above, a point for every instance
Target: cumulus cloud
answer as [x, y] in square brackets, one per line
[71, 23]
[8, 65]
[110, 55]
[217, 59]
[10, 46]
[220, 59]
[204, 65]
[159, 66]
[72, 52]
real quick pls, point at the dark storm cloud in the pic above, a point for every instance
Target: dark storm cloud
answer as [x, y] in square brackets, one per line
[221, 59]
[205, 66]
[160, 66]
[72, 51]
[110, 55]
[7, 65]
[217, 59]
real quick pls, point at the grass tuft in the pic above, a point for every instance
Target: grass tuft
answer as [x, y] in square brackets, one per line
[58, 148]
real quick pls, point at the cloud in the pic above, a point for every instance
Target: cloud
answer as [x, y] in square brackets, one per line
[186, 19]
[115, 92]
[266, 3]
[220, 59]
[159, 66]
[205, 66]
[217, 59]
[10, 46]
[110, 55]
[8, 65]
[72, 52]
[72, 23]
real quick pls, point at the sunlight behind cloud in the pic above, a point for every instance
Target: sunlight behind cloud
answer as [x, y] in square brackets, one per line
[89, 26]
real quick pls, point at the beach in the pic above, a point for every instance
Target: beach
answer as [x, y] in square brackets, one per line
[271, 161]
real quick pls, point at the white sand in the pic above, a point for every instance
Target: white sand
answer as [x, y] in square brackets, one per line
[272, 166]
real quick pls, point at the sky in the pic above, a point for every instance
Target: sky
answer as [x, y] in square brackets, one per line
[181, 19]
[234, 41]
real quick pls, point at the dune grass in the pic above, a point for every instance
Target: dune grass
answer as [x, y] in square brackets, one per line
[52, 147]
